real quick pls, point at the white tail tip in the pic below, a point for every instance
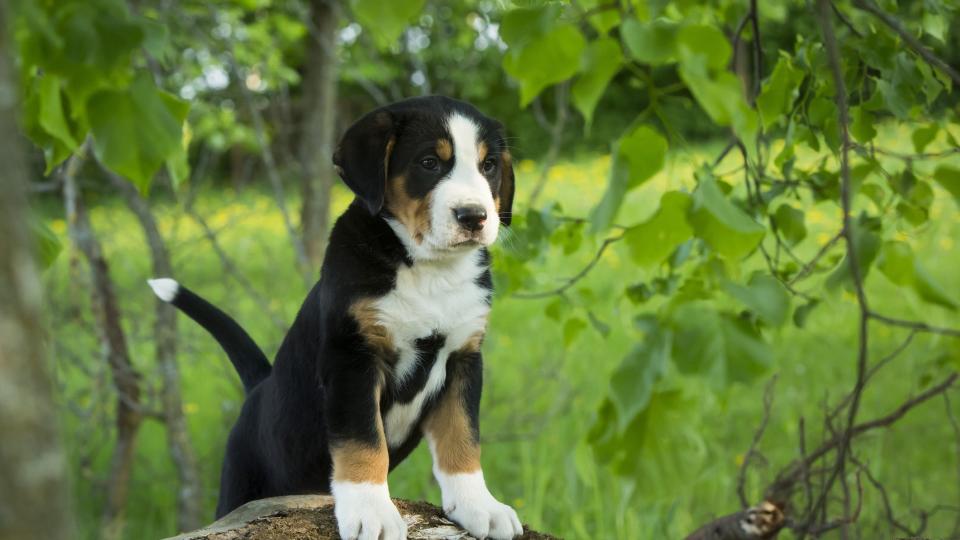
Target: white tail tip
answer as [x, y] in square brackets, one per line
[165, 288]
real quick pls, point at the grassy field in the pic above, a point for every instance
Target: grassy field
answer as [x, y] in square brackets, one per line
[540, 396]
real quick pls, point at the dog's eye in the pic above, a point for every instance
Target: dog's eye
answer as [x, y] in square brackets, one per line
[430, 163]
[489, 165]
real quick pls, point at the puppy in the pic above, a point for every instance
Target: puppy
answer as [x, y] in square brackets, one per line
[386, 348]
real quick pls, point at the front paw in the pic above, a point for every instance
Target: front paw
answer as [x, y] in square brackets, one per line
[365, 512]
[467, 502]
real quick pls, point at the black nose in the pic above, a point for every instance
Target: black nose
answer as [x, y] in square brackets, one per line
[471, 217]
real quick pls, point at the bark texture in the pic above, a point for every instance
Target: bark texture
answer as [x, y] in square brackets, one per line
[33, 488]
[126, 380]
[165, 336]
[310, 517]
[319, 109]
[761, 522]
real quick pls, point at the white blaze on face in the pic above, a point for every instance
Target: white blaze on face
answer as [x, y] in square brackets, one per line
[464, 186]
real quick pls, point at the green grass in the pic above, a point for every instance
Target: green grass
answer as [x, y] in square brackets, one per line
[539, 396]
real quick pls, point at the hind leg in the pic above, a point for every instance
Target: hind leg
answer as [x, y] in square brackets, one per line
[240, 482]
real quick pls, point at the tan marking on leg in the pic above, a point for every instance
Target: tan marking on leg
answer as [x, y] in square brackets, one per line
[444, 149]
[414, 214]
[355, 461]
[365, 312]
[456, 450]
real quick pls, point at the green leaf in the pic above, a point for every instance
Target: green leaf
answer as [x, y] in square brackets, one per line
[923, 136]
[600, 62]
[802, 313]
[935, 25]
[645, 151]
[655, 239]
[653, 43]
[867, 244]
[632, 383]
[899, 264]
[52, 117]
[549, 58]
[706, 42]
[790, 224]
[135, 131]
[778, 91]
[603, 215]
[571, 329]
[720, 94]
[949, 179]
[637, 156]
[932, 291]
[896, 262]
[386, 20]
[521, 25]
[46, 243]
[861, 125]
[726, 228]
[765, 296]
[603, 20]
[720, 347]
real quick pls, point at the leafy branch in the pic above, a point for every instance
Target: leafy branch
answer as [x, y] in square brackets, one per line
[908, 38]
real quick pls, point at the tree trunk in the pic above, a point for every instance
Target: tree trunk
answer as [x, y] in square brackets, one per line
[319, 109]
[189, 503]
[33, 487]
[113, 341]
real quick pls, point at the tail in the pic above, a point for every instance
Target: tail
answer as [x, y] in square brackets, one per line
[246, 356]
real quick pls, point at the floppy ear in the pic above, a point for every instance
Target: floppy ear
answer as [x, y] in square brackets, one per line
[363, 155]
[506, 188]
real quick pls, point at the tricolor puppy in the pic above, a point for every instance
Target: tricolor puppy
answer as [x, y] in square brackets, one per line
[386, 348]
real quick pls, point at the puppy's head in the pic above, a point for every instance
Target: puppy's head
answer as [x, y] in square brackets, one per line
[436, 168]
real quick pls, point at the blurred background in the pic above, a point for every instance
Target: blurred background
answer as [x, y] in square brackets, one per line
[683, 316]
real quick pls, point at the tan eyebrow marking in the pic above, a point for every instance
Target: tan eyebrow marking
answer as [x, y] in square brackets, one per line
[482, 151]
[444, 149]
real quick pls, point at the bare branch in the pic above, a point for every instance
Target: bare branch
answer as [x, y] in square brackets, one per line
[786, 479]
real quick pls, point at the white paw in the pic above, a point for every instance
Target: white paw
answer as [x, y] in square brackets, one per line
[365, 512]
[468, 503]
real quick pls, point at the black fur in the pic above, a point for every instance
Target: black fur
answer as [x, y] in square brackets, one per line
[322, 385]
[244, 354]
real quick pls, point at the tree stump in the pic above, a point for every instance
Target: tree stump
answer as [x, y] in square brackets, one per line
[310, 517]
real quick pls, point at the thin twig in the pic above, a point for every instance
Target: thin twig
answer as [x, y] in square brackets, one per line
[578, 276]
[269, 163]
[853, 257]
[873, 370]
[888, 508]
[956, 437]
[789, 475]
[915, 325]
[807, 268]
[908, 38]
[757, 435]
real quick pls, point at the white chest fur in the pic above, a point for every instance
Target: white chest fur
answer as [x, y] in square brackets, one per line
[430, 298]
